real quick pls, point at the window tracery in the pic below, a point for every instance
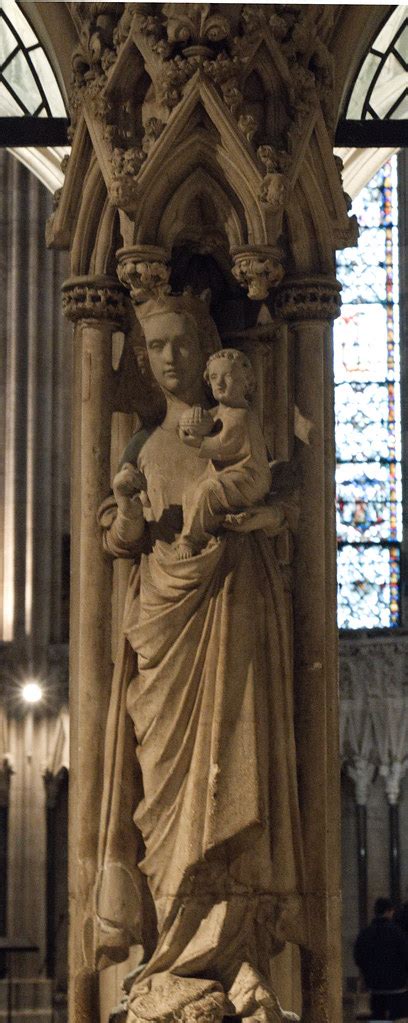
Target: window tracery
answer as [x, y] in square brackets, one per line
[380, 90]
[28, 86]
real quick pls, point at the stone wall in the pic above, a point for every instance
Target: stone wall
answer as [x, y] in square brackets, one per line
[374, 726]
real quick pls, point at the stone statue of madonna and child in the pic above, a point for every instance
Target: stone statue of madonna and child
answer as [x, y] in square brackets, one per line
[203, 680]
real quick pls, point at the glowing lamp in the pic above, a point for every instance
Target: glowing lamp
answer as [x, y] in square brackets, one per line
[32, 692]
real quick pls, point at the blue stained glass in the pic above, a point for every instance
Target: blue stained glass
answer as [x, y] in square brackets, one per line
[367, 206]
[368, 430]
[364, 274]
[365, 430]
[368, 503]
[360, 353]
[368, 578]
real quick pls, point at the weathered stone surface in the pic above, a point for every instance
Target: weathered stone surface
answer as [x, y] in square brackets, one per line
[202, 158]
[208, 854]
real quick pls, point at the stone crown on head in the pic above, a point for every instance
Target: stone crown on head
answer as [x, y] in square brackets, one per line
[189, 304]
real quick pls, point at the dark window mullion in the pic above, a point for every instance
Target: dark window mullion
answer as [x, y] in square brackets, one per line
[14, 94]
[9, 59]
[387, 53]
[39, 84]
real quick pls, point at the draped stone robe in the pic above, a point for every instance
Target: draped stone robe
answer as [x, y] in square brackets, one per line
[204, 670]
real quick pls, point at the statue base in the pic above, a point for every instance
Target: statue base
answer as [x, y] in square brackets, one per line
[166, 998]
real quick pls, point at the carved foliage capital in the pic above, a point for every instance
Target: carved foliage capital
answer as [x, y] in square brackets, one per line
[125, 164]
[393, 774]
[145, 271]
[309, 298]
[258, 270]
[274, 188]
[98, 298]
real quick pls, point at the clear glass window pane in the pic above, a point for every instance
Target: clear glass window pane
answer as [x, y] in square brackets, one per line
[380, 86]
[391, 28]
[355, 106]
[29, 72]
[19, 76]
[49, 82]
[8, 105]
[400, 112]
[19, 21]
[8, 41]
[401, 44]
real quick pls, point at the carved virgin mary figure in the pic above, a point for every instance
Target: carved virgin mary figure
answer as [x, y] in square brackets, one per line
[204, 671]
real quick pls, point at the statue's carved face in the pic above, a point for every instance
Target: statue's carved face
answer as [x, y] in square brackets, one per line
[174, 351]
[229, 382]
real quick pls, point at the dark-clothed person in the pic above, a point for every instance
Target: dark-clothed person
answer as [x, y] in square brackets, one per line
[381, 953]
[401, 917]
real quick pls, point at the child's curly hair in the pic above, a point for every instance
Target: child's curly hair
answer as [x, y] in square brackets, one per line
[234, 355]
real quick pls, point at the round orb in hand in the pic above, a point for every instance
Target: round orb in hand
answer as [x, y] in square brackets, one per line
[196, 421]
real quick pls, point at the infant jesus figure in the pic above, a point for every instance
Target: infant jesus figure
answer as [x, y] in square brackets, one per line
[230, 435]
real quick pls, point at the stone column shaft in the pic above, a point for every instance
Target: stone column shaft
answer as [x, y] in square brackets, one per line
[34, 419]
[362, 864]
[395, 882]
[310, 305]
[88, 303]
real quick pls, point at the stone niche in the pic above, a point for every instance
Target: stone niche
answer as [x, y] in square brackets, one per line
[202, 165]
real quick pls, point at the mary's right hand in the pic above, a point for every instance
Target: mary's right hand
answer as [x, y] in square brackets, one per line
[122, 535]
[128, 482]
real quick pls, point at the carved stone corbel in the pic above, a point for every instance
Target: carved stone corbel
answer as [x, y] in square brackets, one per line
[94, 298]
[393, 775]
[362, 773]
[309, 298]
[125, 164]
[258, 268]
[145, 270]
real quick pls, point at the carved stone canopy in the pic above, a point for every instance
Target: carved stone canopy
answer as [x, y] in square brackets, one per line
[203, 125]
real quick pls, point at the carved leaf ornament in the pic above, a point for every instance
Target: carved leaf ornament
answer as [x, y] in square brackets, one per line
[187, 69]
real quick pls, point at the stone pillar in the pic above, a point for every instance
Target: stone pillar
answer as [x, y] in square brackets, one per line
[395, 882]
[96, 306]
[309, 304]
[34, 384]
[393, 774]
[362, 772]
[5, 774]
[34, 481]
[57, 837]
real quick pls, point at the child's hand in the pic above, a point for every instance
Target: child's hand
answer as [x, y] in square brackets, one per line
[189, 439]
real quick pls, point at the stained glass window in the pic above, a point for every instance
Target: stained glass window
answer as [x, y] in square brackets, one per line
[368, 428]
[28, 86]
